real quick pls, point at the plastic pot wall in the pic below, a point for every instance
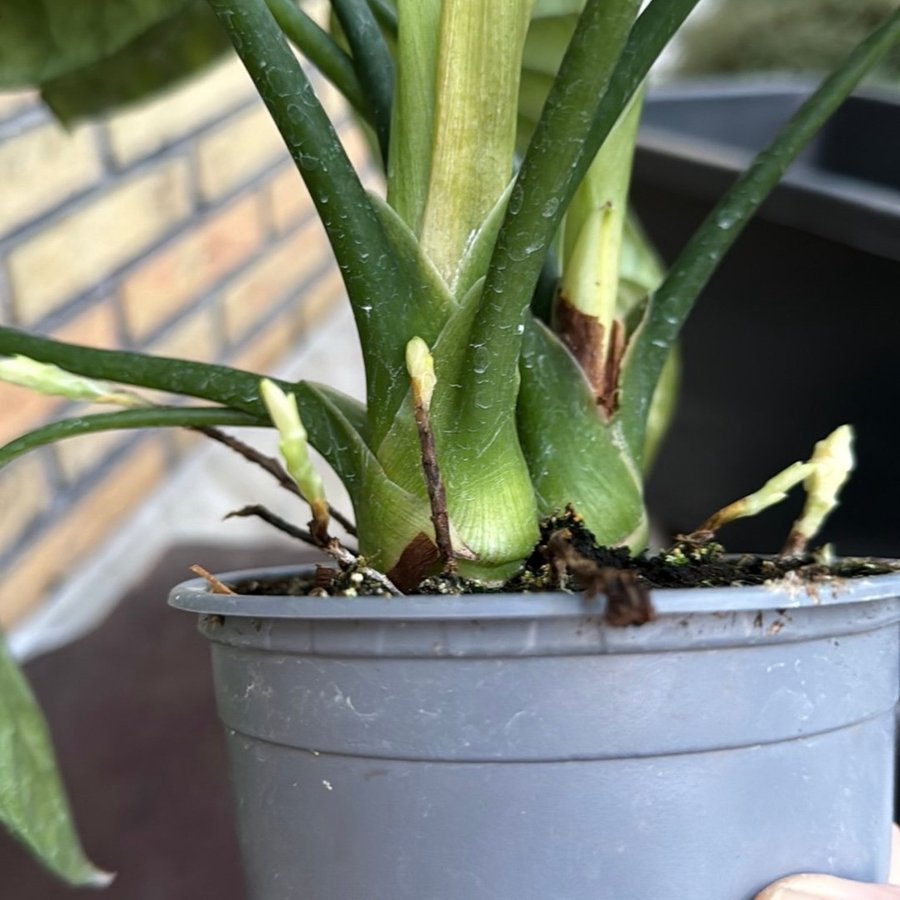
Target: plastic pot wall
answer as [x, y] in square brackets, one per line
[513, 747]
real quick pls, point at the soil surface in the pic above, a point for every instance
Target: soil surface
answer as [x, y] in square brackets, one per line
[568, 558]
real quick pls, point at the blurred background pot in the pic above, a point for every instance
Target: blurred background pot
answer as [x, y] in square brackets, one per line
[514, 746]
[796, 331]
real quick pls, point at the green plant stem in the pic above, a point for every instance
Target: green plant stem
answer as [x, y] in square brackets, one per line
[386, 15]
[151, 417]
[379, 293]
[547, 180]
[372, 63]
[536, 207]
[322, 51]
[409, 163]
[698, 260]
[478, 66]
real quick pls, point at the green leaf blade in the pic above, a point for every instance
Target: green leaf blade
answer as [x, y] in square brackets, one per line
[44, 39]
[33, 803]
[372, 62]
[161, 57]
[381, 299]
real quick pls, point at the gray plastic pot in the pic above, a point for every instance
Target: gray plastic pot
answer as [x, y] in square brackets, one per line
[513, 747]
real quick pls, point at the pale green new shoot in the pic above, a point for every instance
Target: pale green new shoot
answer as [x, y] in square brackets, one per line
[773, 491]
[56, 382]
[420, 365]
[832, 462]
[294, 446]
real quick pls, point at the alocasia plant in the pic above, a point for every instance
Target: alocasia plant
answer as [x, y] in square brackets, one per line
[535, 406]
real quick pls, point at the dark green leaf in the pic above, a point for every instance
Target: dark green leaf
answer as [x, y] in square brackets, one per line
[386, 13]
[372, 62]
[176, 48]
[673, 301]
[43, 39]
[33, 803]
[321, 50]
[233, 388]
[385, 306]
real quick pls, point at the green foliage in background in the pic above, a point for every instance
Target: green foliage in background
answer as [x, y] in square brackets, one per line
[745, 36]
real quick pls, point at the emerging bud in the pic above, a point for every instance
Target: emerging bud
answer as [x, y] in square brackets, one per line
[49, 379]
[832, 462]
[420, 365]
[294, 447]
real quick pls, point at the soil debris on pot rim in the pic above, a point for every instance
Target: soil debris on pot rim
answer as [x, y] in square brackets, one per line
[549, 567]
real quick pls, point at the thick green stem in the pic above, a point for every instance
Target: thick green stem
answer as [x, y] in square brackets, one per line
[595, 221]
[479, 64]
[409, 162]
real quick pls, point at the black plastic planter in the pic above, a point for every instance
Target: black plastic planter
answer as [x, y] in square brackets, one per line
[798, 331]
[513, 747]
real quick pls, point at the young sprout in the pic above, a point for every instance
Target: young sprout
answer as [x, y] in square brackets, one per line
[772, 492]
[420, 366]
[49, 379]
[294, 447]
[832, 462]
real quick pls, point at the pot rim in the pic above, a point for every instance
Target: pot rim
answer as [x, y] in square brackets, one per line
[195, 596]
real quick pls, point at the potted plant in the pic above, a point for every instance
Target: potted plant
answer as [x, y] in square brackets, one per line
[452, 741]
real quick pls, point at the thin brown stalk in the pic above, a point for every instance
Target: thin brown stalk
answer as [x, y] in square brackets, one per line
[332, 546]
[273, 467]
[436, 494]
[270, 518]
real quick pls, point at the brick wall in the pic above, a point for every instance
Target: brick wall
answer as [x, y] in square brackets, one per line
[179, 227]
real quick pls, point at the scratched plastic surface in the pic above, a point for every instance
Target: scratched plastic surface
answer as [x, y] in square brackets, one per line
[516, 747]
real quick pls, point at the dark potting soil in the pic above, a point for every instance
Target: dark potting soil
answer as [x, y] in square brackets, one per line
[568, 557]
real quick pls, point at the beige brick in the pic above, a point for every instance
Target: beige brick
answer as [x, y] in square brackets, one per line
[265, 350]
[177, 274]
[23, 494]
[41, 168]
[77, 456]
[95, 327]
[322, 299]
[45, 564]
[91, 242]
[234, 153]
[356, 146]
[331, 99]
[138, 132]
[252, 295]
[22, 410]
[195, 338]
[289, 201]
